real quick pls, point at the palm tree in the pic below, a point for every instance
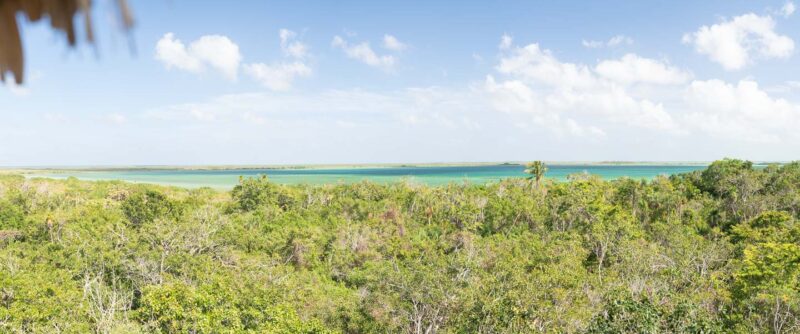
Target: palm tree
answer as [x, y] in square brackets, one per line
[536, 169]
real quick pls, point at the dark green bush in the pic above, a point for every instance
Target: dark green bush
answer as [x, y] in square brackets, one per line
[146, 206]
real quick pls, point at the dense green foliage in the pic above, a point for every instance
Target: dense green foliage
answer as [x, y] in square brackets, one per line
[716, 251]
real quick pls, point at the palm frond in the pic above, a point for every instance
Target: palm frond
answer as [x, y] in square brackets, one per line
[61, 14]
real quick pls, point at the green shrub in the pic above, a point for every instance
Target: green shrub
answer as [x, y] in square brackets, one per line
[252, 193]
[11, 216]
[146, 206]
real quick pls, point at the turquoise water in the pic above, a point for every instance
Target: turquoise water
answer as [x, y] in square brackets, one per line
[435, 175]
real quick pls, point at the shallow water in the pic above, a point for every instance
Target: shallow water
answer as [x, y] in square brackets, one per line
[433, 175]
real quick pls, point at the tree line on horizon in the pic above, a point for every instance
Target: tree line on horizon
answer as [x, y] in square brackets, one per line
[711, 251]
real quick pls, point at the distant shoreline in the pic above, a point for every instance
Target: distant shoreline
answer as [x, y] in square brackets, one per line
[56, 169]
[433, 174]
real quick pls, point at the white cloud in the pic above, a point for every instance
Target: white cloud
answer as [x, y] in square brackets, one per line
[221, 53]
[557, 94]
[735, 43]
[277, 77]
[788, 9]
[290, 46]
[505, 42]
[429, 106]
[24, 90]
[364, 53]
[254, 118]
[55, 117]
[318, 126]
[619, 40]
[17, 90]
[612, 42]
[634, 69]
[634, 92]
[592, 44]
[786, 87]
[116, 118]
[215, 51]
[173, 53]
[740, 112]
[202, 115]
[392, 43]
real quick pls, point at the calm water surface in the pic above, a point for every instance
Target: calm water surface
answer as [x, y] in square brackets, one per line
[435, 175]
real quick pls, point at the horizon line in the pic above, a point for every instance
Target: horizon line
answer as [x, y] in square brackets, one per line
[357, 165]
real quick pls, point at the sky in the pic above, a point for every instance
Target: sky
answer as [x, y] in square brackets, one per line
[312, 82]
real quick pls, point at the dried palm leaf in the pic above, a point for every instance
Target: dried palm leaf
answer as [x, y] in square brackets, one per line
[61, 14]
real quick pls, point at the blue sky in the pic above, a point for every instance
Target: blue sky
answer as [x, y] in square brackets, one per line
[411, 81]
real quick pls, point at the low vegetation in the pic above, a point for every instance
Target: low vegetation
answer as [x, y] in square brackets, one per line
[715, 251]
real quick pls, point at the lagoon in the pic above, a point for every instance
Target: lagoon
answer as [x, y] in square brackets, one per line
[432, 175]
